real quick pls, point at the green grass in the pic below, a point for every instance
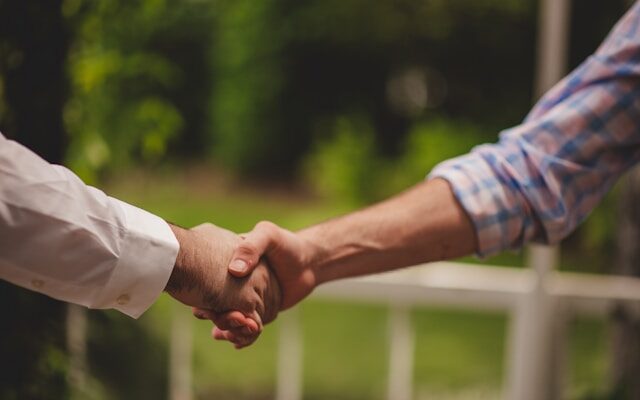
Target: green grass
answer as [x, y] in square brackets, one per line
[345, 345]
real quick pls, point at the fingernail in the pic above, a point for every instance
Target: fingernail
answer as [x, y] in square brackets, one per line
[238, 265]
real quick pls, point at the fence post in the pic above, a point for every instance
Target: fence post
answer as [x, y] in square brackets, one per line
[531, 352]
[180, 349]
[401, 348]
[289, 385]
[76, 322]
[553, 42]
[532, 322]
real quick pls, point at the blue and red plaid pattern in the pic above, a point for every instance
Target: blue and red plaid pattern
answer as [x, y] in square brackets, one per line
[543, 177]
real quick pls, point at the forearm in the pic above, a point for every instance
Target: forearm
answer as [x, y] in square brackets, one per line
[422, 224]
[72, 242]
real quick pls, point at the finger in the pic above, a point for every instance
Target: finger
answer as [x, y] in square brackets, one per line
[239, 340]
[245, 340]
[255, 244]
[234, 333]
[229, 336]
[231, 320]
[220, 334]
[202, 313]
[254, 322]
[238, 322]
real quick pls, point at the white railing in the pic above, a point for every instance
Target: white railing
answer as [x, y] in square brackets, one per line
[539, 302]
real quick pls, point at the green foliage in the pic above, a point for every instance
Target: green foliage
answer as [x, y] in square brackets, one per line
[387, 22]
[248, 82]
[345, 165]
[283, 67]
[125, 83]
[429, 143]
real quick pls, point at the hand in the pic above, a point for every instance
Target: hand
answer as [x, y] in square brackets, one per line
[200, 279]
[289, 254]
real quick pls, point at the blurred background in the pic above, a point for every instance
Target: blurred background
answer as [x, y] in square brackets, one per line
[237, 111]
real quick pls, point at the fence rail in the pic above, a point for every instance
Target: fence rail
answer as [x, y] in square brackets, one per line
[540, 304]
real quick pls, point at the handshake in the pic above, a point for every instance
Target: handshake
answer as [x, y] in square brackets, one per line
[242, 282]
[226, 279]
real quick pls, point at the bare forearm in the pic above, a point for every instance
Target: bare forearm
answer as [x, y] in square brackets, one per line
[424, 223]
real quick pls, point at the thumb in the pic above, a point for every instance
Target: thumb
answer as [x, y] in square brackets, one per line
[254, 245]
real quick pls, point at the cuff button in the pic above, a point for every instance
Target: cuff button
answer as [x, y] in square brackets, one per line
[123, 299]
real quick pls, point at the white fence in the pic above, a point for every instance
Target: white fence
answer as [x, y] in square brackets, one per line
[539, 301]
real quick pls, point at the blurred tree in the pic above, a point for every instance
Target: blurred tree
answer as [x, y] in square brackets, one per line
[33, 48]
[347, 55]
[127, 360]
[251, 83]
[284, 67]
[345, 166]
[247, 116]
[139, 75]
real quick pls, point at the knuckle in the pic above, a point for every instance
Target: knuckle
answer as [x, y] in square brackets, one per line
[247, 249]
[267, 226]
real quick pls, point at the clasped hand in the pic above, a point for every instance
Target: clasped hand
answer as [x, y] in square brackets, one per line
[288, 255]
[240, 306]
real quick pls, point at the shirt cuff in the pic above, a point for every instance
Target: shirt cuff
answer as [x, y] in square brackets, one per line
[482, 197]
[148, 253]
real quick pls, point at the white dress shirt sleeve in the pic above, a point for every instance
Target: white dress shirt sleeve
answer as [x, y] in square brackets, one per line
[72, 242]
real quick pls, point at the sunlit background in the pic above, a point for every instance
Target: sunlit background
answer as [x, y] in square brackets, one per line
[233, 111]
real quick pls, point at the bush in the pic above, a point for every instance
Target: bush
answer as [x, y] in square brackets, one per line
[428, 143]
[346, 167]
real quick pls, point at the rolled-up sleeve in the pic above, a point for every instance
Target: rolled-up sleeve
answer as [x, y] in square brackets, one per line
[72, 242]
[546, 175]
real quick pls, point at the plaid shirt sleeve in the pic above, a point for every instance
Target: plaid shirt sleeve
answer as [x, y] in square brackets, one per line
[543, 177]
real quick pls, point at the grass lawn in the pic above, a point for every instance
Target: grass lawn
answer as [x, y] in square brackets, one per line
[459, 354]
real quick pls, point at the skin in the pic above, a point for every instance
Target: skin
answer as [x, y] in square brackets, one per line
[200, 279]
[425, 223]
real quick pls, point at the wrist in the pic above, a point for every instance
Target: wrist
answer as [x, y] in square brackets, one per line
[339, 249]
[316, 258]
[180, 275]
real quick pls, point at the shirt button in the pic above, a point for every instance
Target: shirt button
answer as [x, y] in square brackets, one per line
[37, 283]
[123, 299]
